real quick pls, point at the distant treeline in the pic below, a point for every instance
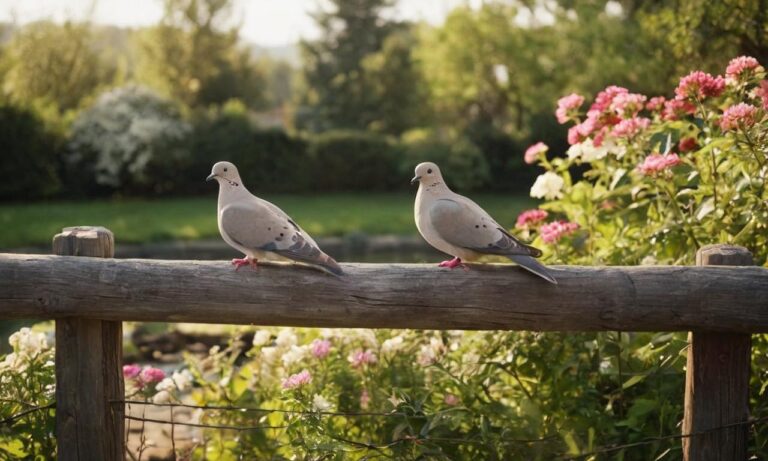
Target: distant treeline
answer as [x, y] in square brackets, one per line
[101, 110]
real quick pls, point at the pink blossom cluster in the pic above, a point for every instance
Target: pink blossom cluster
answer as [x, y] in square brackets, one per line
[361, 357]
[656, 103]
[762, 92]
[567, 105]
[740, 65]
[146, 375]
[529, 217]
[628, 104]
[699, 85]
[675, 109]
[297, 380]
[656, 163]
[741, 114]
[554, 231]
[320, 348]
[630, 127]
[534, 151]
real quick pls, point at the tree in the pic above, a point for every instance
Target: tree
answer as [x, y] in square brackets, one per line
[54, 63]
[338, 92]
[194, 57]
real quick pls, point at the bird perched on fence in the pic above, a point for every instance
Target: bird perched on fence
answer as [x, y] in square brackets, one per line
[458, 226]
[260, 229]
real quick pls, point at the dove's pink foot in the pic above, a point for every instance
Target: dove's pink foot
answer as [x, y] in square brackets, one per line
[453, 264]
[244, 262]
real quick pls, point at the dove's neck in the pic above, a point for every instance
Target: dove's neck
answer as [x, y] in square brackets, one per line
[435, 187]
[230, 191]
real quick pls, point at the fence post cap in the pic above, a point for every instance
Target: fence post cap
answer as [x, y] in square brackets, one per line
[723, 254]
[96, 241]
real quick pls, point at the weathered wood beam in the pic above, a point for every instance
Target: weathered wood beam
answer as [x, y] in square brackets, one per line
[645, 298]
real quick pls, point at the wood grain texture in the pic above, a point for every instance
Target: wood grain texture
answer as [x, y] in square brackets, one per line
[490, 297]
[717, 378]
[88, 367]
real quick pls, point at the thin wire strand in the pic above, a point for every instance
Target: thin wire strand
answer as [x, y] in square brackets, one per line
[206, 426]
[21, 414]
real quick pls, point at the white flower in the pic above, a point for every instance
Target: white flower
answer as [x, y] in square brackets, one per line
[649, 261]
[294, 355]
[261, 338]
[427, 355]
[161, 397]
[392, 345]
[548, 186]
[224, 382]
[165, 385]
[14, 362]
[319, 403]
[270, 354]
[27, 342]
[183, 379]
[286, 338]
[587, 151]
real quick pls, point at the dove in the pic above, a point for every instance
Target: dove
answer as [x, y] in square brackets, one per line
[458, 226]
[259, 229]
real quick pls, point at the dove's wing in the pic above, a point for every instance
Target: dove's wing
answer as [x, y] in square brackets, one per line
[274, 208]
[255, 226]
[470, 227]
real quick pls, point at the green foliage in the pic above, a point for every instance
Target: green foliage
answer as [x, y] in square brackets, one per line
[269, 160]
[340, 95]
[28, 165]
[193, 56]
[351, 160]
[461, 161]
[55, 63]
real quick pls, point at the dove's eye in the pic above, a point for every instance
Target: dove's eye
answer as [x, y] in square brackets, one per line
[225, 170]
[429, 171]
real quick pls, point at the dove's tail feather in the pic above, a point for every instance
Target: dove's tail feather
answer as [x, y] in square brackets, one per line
[531, 265]
[330, 264]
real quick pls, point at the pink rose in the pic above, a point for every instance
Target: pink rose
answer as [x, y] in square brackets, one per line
[738, 115]
[151, 375]
[554, 231]
[360, 357]
[320, 348]
[297, 380]
[657, 163]
[131, 371]
[699, 85]
[566, 105]
[533, 152]
[740, 65]
[529, 217]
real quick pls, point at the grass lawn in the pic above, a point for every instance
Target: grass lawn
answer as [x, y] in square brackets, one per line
[135, 221]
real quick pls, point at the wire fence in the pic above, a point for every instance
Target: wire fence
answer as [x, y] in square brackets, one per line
[607, 449]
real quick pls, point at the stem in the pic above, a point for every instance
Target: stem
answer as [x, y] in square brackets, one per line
[752, 148]
[714, 176]
[679, 210]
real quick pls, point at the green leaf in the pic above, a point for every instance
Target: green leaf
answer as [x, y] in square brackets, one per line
[632, 381]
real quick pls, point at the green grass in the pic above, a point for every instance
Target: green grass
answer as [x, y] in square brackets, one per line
[135, 221]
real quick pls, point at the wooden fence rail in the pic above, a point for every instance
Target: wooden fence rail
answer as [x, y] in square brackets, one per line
[90, 296]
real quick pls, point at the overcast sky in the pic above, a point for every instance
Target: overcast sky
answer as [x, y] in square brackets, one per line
[265, 22]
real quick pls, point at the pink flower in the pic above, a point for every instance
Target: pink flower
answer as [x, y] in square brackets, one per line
[361, 357]
[763, 93]
[605, 98]
[699, 85]
[131, 371]
[530, 217]
[568, 104]
[656, 103]
[628, 104]
[739, 65]
[365, 399]
[451, 400]
[533, 152]
[675, 109]
[578, 133]
[738, 115]
[656, 163]
[556, 230]
[151, 375]
[630, 127]
[299, 379]
[687, 144]
[320, 348]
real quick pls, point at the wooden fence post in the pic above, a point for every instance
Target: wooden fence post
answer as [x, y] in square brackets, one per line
[717, 378]
[89, 374]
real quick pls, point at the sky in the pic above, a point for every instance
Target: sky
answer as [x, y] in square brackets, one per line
[265, 22]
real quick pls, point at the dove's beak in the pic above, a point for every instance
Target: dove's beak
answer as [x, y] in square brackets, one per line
[415, 180]
[210, 176]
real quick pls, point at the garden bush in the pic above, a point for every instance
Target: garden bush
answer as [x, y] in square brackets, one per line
[269, 160]
[28, 164]
[461, 161]
[130, 140]
[351, 161]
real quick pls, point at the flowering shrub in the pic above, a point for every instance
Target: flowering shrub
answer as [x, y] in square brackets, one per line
[27, 389]
[663, 177]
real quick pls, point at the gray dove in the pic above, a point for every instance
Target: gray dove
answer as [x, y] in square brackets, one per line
[459, 227]
[260, 229]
